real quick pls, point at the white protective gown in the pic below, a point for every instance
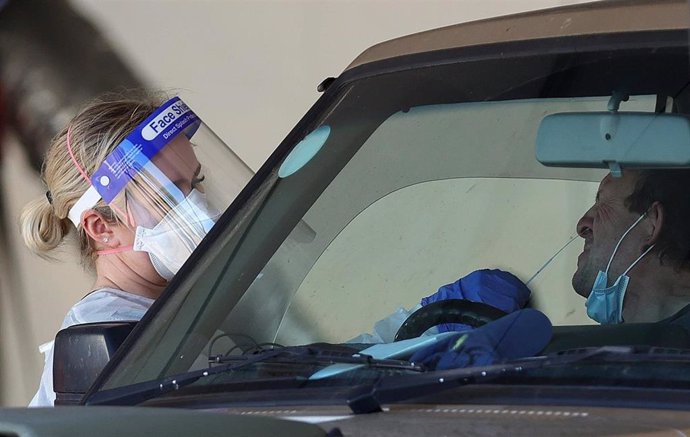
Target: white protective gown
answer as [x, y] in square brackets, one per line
[102, 305]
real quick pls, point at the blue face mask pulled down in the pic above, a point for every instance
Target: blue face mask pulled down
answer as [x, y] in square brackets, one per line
[605, 304]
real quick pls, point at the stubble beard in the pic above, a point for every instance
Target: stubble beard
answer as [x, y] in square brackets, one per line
[583, 278]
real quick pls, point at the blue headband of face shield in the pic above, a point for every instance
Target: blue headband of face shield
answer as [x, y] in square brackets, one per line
[134, 154]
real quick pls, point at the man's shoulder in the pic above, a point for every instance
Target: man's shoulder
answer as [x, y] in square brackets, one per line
[681, 318]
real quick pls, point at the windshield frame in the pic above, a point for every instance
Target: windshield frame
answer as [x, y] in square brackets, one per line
[245, 204]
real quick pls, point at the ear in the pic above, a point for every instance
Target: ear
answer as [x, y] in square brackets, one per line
[655, 223]
[99, 230]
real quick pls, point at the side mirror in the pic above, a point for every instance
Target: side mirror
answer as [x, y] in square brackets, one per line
[80, 354]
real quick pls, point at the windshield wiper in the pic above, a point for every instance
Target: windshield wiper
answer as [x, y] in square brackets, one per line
[369, 398]
[299, 355]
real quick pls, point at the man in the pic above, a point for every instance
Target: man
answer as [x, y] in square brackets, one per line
[635, 266]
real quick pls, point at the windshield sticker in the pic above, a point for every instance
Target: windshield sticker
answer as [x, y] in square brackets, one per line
[140, 146]
[304, 151]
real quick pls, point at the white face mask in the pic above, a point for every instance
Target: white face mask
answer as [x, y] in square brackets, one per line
[174, 238]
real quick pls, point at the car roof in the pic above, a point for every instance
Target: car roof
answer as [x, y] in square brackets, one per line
[610, 16]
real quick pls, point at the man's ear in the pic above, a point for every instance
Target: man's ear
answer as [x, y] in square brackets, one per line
[655, 223]
[98, 228]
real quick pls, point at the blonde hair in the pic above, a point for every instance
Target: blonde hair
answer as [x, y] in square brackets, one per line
[93, 134]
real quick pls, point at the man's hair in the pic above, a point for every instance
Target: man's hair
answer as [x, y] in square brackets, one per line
[672, 189]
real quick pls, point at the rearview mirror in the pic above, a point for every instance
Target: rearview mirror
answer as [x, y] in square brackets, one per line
[614, 139]
[80, 354]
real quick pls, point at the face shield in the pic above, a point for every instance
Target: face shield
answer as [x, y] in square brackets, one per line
[163, 182]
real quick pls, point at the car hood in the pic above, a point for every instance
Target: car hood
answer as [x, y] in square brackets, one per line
[485, 420]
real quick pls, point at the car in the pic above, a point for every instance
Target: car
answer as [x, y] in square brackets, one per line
[430, 157]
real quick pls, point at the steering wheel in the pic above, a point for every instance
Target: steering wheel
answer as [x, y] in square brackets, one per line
[463, 311]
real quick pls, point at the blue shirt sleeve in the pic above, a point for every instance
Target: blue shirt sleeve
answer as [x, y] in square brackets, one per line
[494, 287]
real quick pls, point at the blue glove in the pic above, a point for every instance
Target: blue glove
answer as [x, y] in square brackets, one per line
[497, 288]
[520, 334]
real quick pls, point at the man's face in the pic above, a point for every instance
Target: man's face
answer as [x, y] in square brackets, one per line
[602, 226]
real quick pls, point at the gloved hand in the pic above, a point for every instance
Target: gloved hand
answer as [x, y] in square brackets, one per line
[497, 288]
[520, 334]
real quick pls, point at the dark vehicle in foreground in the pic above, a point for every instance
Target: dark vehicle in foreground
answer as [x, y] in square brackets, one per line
[416, 167]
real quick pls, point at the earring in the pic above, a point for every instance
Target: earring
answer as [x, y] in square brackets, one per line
[106, 239]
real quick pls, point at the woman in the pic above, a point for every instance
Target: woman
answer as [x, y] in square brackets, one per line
[124, 177]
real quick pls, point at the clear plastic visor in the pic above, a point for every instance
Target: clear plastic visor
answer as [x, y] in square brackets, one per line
[169, 181]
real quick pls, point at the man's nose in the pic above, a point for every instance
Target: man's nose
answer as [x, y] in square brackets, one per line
[584, 225]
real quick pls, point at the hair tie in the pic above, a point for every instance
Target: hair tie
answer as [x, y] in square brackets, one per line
[49, 197]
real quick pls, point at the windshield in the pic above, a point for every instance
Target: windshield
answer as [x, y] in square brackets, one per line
[407, 180]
